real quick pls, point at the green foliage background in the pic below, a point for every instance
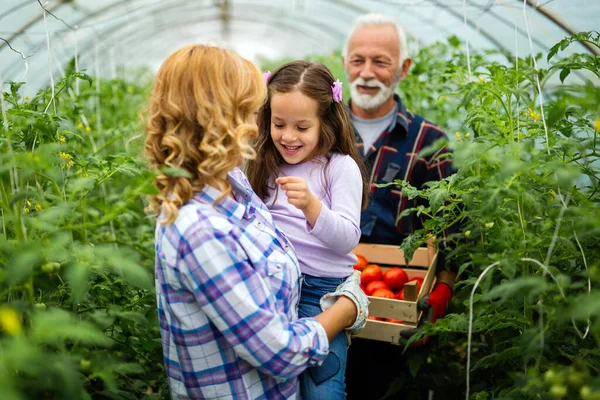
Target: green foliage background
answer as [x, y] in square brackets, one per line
[77, 305]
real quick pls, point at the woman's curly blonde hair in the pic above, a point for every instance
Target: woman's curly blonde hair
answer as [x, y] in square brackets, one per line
[197, 123]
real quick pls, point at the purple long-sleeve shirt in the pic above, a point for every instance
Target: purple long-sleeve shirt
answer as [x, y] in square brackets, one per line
[324, 250]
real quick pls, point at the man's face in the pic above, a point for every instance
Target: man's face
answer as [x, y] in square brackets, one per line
[372, 65]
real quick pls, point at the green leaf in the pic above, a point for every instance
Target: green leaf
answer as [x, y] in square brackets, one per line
[416, 362]
[9, 392]
[454, 41]
[54, 326]
[529, 286]
[125, 264]
[407, 190]
[84, 76]
[77, 276]
[173, 171]
[410, 245]
[509, 268]
[21, 265]
[564, 73]
[437, 198]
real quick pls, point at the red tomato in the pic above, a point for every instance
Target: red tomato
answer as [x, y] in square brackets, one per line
[394, 321]
[372, 272]
[385, 293]
[399, 294]
[373, 286]
[395, 277]
[361, 263]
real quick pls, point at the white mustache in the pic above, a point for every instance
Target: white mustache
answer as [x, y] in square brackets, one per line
[374, 83]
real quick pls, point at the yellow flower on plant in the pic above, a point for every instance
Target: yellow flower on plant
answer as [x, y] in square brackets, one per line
[27, 98]
[10, 321]
[88, 129]
[533, 114]
[70, 163]
[79, 125]
[28, 203]
[26, 210]
[597, 125]
[65, 156]
[467, 134]
[62, 139]
[38, 207]
[457, 134]
[481, 79]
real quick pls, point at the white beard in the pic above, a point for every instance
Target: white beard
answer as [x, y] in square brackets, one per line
[367, 101]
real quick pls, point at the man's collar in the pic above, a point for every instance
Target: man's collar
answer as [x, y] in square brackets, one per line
[400, 116]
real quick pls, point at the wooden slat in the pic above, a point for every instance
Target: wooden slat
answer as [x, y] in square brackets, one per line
[383, 331]
[411, 291]
[392, 255]
[395, 309]
[429, 279]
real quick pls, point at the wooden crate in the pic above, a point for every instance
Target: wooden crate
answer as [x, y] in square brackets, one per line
[422, 265]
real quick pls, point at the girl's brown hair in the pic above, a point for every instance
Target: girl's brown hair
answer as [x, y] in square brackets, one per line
[197, 123]
[314, 80]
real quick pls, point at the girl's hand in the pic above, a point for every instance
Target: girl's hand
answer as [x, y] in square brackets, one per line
[300, 197]
[296, 190]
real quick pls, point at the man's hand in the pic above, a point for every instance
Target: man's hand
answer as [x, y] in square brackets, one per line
[300, 196]
[434, 306]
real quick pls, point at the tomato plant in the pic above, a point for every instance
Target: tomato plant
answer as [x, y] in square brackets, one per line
[78, 309]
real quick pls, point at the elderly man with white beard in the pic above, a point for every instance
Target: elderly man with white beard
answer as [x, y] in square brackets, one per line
[390, 138]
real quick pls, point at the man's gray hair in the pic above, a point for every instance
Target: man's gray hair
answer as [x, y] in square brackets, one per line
[379, 20]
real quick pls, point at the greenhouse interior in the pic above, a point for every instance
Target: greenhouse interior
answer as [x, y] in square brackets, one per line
[501, 298]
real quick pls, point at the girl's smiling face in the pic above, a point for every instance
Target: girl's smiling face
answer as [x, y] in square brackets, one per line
[295, 126]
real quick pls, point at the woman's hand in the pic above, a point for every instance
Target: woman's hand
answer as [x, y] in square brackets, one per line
[350, 290]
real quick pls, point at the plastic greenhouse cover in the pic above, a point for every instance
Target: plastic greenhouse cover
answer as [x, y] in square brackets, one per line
[106, 35]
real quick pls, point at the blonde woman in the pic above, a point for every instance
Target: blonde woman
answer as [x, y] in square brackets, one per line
[227, 280]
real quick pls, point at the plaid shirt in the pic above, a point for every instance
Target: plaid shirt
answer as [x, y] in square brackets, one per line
[395, 155]
[228, 284]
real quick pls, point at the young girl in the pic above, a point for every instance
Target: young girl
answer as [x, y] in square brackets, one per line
[309, 174]
[227, 280]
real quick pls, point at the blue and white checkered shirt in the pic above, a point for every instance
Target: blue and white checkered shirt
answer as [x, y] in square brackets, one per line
[228, 284]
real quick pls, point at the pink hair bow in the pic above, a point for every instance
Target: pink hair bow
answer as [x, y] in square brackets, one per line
[337, 91]
[267, 76]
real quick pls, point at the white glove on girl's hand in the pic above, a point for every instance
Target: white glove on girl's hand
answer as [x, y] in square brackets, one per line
[351, 289]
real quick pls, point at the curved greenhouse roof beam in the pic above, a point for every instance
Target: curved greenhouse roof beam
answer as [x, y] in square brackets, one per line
[563, 25]
[28, 25]
[213, 14]
[471, 25]
[488, 9]
[134, 34]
